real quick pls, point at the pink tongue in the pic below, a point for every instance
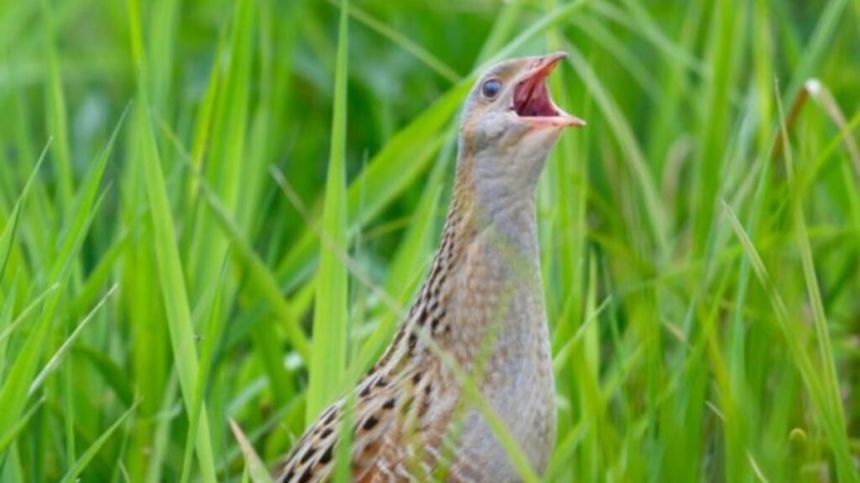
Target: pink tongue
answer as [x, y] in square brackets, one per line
[536, 102]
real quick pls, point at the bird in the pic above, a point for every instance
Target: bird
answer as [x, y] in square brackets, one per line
[479, 312]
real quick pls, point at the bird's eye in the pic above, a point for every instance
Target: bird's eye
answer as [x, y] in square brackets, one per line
[491, 88]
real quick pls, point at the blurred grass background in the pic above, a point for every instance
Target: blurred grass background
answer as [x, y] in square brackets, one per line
[167, 167]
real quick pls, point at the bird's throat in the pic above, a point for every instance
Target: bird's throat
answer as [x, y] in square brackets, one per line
[494, 209]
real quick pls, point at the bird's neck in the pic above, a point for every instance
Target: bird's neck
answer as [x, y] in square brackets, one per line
[486, 273]
[492, 208]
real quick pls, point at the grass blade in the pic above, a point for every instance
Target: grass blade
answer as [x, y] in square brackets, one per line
[90, 453]
[173, 289]
[330, 327]
[14, 391]
[54, 361]
[796, 344]
[11, 226]
[254, 467]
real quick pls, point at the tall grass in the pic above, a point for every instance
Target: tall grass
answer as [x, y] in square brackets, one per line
[214, 213]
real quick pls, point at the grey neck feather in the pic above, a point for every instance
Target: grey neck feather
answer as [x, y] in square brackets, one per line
[505, 200]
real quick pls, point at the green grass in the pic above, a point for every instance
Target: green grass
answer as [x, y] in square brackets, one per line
[213, 214]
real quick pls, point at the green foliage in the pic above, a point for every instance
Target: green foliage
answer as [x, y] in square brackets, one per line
[214, 213]
[327, 362]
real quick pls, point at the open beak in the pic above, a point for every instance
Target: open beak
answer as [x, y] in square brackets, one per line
[531, 100]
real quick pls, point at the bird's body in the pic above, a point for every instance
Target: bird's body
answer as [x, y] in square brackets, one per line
[480, 312]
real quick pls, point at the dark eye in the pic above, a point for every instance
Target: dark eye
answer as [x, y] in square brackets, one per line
[491, 88]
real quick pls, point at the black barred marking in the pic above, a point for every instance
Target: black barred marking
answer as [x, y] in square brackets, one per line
[288, 477]
[308, 455]
[435, 270]
[425, 401]
[369, 423]
[438, 319]
[425, 406]
[326, 456]
[330, 418]
[386, 398]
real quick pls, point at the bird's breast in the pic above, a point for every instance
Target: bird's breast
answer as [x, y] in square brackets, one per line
[498, 304]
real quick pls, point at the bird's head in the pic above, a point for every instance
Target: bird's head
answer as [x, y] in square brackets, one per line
[510, 123]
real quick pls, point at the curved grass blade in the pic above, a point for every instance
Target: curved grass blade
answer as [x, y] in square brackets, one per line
[11, 227]
[259, 274]
[12, 433]
[111, 372]
[90, 453]
[420, 53]
[253, 465]
[210, 335]
[57, 115]
[402, 276]
[845, 467]
[797, 346]
[330, 325]
[7, 331]
[173, 288]
[54, 361]
[816, 49]
[654, 208]
[14, 393]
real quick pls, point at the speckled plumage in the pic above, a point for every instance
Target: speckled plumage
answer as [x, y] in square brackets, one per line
[481, 304]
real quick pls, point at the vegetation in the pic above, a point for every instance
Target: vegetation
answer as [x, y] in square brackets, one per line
[216, 211]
